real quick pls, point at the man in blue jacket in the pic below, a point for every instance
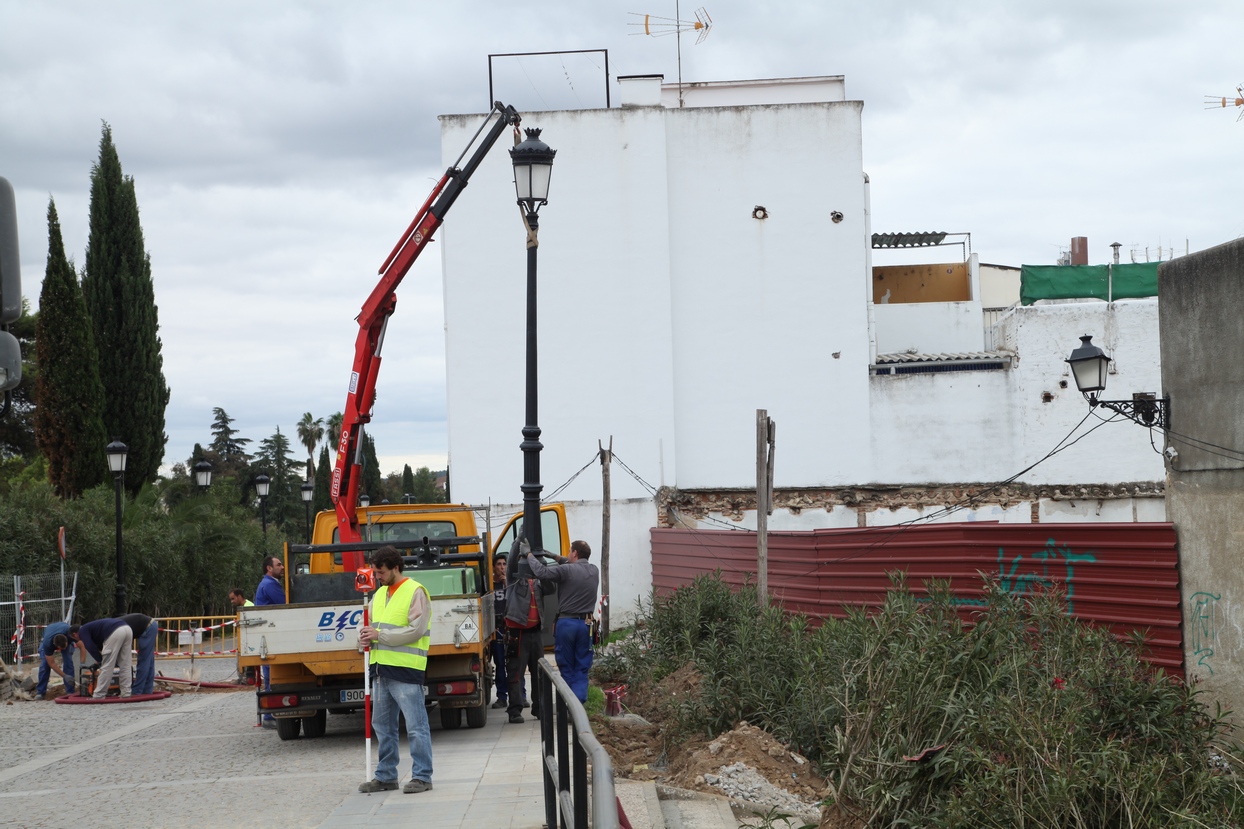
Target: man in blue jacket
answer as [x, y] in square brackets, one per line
[55, 640]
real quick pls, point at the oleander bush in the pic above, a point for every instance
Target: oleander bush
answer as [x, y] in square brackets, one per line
[1021, 717]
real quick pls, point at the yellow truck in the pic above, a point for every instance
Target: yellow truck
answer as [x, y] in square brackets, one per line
[310, 645]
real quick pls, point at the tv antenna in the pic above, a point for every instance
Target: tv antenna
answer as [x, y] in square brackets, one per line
[655, 26]
[1214, 102]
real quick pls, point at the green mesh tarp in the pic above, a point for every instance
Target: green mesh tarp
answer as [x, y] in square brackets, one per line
[1087, 281]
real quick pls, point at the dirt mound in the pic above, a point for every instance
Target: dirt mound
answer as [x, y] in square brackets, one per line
[744, 763]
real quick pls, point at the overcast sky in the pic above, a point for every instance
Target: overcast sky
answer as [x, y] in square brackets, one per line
[279, 149]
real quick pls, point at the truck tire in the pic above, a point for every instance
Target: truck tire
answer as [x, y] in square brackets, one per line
[477, 717]
[287, 727]
[315, 725]
[451, 718]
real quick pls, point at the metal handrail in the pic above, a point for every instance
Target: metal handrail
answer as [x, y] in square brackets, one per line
[565, 772]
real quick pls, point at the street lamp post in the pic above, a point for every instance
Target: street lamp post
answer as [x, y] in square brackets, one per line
[533, 167]
[1090, 365]
[116, 464]
[203, 475]
[262, 483]
[364, 500]
[308, 492]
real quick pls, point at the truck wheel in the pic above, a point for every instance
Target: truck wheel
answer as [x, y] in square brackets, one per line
[451, 718]
[477, 717]
[287, 728]
[315, 725]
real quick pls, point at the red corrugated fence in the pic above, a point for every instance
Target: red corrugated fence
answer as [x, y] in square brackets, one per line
[1124, 576]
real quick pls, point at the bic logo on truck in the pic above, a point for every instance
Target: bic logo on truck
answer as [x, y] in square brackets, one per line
[334, 625]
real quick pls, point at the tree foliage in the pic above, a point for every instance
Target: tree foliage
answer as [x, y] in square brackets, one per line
[68, 427]
[227, 451]
[323, 482]
[120, 297]
[284, 506]
[17, 429]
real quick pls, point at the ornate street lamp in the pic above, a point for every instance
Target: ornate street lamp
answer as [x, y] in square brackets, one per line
[262, 483]
[117, 452]
[533, 168]
[203, 474]
[1089, 366]
[364, 500]
[308, 492]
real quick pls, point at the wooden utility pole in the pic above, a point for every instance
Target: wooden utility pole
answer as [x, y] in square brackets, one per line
[765, 432]
[606, 456]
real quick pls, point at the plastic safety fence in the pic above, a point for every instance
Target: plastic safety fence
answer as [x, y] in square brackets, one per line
[28, 604]
[200, 637]
[1108, 282]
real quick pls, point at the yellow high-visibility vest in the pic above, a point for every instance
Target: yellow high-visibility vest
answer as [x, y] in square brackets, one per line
[394, 612]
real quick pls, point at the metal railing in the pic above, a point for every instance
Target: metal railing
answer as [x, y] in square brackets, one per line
[566, 760]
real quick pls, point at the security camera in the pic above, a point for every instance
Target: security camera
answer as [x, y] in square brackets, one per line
[1171, 452]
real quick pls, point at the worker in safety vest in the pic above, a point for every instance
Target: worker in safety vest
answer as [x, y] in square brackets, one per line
[399, 634]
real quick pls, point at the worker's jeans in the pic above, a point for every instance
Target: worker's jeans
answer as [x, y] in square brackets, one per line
[144, 671]
[116, 653]
[572, 647]
[389, 698]
[45, 670]
[499, 680]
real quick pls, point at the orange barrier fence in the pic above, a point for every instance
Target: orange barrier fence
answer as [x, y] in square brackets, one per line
[187, 637]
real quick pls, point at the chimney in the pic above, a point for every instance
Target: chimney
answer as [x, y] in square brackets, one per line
[1115, 246]
[1079, 250]
[640, 90]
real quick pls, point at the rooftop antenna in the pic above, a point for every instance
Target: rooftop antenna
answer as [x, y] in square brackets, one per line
[1214, 102]
[654, 26]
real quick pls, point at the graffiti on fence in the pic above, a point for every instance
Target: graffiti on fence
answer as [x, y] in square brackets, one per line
[1201, 611]
[1020, 574]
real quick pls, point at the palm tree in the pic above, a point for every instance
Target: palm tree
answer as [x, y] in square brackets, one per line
[333, 425]
[310, 433]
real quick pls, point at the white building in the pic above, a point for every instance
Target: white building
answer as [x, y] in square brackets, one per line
[702, 262]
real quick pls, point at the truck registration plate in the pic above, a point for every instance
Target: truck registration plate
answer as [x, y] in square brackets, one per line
[352, 696]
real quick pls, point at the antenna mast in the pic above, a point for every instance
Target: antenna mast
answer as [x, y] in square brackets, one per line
[1215, 102]
[654, 26]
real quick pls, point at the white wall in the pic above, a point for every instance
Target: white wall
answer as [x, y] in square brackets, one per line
[929, 327]
[989, 425]
[763, 92]
[630, 553]
[666, 312]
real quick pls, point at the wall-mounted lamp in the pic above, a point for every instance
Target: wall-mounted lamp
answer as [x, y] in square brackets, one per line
[1088, 366]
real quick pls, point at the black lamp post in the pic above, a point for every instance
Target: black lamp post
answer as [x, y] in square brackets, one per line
[1089, 366]
[203, 475]
[308, 492]
[533, 167]
[262, 483]
[116, 464]
[364, 500]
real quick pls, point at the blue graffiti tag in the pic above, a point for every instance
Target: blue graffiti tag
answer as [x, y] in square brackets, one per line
[1203, 628]
[1018, 583]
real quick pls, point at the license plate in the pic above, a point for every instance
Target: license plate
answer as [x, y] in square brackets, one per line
[352, 696]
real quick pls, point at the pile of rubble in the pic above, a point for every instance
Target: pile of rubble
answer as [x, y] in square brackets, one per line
[15, 684]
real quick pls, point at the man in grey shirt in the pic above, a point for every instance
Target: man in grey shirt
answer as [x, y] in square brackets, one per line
[572, 638]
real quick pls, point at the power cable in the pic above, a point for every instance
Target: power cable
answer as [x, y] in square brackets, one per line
[553, 495]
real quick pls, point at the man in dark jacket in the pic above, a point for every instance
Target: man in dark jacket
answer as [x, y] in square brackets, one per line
[145, 632]
[108, 642]
[572, 636]
[524, 635]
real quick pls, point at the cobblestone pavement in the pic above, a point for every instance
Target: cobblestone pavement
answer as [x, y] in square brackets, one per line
[191, 760]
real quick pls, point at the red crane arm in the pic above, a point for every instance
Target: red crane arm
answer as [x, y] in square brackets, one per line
[374, 317]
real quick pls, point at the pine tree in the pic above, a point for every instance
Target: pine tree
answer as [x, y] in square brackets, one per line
[227, 450]
[121, 300]
[284, 473]
[68, 427]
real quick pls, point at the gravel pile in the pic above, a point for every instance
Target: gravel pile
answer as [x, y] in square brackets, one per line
[743, 782]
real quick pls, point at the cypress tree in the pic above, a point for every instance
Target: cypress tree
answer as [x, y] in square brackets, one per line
[323, 481]
[121, 300]
[372, 483]
[68, 427]
[408, 482]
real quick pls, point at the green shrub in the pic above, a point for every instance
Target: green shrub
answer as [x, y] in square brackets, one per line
[1025, 717]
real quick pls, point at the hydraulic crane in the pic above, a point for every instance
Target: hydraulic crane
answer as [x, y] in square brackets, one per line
[374, 319]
